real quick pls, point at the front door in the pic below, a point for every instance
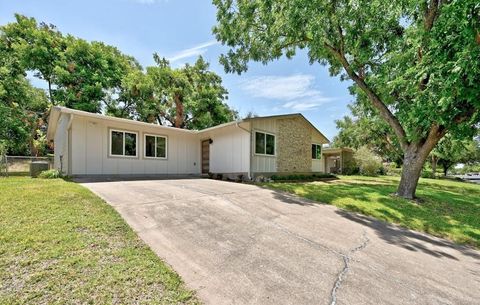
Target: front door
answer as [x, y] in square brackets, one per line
[206, 156]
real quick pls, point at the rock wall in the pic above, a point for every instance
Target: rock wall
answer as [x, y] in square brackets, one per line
[294, 145]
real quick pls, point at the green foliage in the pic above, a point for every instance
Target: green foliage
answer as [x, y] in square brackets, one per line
[300, 177]
[95, 77]
[51, 174]
[468, 168]
[350, 167]
[451, 151]
[89, 71]
[368, 163]
[416, 63]
[188, 97]
[366, 127]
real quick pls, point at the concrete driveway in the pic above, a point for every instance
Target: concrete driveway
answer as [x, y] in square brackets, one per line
[241, 244]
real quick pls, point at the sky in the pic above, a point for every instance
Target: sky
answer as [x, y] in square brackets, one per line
[181, 30]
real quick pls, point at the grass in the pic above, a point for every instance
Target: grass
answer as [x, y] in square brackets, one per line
[448, 209]
[61, 244]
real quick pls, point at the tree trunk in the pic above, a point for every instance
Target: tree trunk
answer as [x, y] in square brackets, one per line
[434, 166]
[50, 92]
[412, 168]
[179, 110]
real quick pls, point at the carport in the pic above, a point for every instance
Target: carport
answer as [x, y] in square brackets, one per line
[336, 158]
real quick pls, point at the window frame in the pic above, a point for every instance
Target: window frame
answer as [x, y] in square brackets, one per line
[110, 132]
[145, 148]
[265, 146]
[318, 145]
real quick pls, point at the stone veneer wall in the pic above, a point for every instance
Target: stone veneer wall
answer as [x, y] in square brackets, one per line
[294, 145]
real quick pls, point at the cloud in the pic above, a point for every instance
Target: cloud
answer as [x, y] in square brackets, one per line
[296, 91]
[194, 51]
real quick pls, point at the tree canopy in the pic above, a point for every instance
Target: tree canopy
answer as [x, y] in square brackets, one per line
[416, 62]
[95, 77]
[365, 128]
[187, 97]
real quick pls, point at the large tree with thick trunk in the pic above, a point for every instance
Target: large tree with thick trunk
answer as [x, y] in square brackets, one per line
[190, 96]
[416, 62]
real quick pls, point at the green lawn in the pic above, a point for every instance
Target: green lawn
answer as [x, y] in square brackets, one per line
[61, 244]
[448, 209]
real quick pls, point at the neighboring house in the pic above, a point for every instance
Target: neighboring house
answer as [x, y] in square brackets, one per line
[94, 144]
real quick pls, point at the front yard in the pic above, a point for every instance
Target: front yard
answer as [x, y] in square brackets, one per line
[449, 209]
[59, 244]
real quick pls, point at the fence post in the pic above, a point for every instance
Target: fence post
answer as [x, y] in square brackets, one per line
[3, 164]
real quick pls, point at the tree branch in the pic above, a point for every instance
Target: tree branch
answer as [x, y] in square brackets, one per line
[373, 97]
[431, 13]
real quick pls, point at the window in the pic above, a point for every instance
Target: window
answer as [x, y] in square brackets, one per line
[316, 151]
[264, 144]
[123, 143]
[155, 146]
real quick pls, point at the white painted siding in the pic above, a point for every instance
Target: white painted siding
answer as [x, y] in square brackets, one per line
[90, 150]
[263, 164]
[230, 149]
[60, 160]
[318, 165]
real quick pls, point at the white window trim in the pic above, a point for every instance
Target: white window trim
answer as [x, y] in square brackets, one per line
[255, 144]
[145, 143]
[111, 130]
[321, 148]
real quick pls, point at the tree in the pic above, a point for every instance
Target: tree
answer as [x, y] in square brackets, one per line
[88, 71]
[188, 97]
[39, 47]
[451, 151]
[366, 128]
[416, 62]
[136, 91]
[21, 105]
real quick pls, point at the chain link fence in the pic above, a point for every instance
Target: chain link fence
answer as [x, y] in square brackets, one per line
[20, 165]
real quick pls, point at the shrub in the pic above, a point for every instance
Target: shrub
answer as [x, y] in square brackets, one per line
[369, 164]
[302, 177]
[51, 174]
[350, 167]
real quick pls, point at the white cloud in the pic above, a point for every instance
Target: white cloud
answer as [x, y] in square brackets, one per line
[194, 51]
[296, 91]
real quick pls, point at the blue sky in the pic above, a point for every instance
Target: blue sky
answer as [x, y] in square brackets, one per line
[181, 30]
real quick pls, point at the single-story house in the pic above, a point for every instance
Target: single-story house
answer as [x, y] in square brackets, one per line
[93, 144]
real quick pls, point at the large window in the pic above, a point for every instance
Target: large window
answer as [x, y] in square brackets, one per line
[155, 146]
[264, 143]
[123, 143]
[316, 151]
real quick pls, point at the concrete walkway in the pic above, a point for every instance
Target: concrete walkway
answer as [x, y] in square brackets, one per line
[241, 244]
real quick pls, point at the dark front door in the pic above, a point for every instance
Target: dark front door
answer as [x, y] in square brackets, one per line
[205, 156]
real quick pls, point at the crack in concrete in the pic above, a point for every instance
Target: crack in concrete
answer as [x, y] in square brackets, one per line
[346, 261]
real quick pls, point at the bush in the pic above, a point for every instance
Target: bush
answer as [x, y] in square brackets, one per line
[51, 174]
[427, 173]
[301, 177]
[350, 167]
[392, 169]
[369, 164]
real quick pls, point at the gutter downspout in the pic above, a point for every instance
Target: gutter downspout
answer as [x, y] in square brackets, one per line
[249, 153]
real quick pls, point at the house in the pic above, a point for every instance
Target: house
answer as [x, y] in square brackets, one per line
[94, 144]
